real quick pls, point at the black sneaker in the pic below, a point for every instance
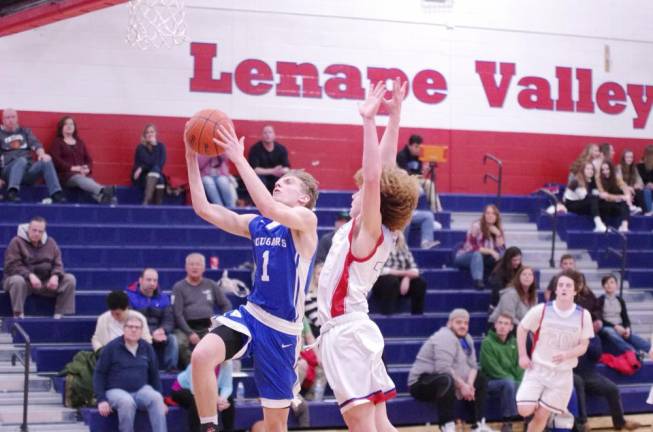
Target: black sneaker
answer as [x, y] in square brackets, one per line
[106, 196]
[58, 197]
[12, 195]
[478, 284]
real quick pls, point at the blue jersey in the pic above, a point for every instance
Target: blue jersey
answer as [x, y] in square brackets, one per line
[282, 277]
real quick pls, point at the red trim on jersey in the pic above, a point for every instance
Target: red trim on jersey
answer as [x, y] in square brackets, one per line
[340, 293]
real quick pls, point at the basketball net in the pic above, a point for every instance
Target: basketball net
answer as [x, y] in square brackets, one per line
[156, 23]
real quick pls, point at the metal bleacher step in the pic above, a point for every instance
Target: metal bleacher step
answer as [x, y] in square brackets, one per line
[47, 427]
[52, 413]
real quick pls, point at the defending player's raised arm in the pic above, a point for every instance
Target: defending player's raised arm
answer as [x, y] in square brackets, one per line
[390, 138]
[217, 215]
[298, 218]
[370, 213]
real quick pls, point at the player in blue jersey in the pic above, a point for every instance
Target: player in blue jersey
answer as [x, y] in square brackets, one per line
[268, 327]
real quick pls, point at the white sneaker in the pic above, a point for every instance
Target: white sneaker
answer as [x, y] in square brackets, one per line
[482, 427]
[634, 210]
[428, 244]
[437, 225]
[600, 228]
[623, 229]
[57, 316]
[448, 427]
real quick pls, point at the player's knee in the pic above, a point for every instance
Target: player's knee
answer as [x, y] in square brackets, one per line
[203, 357]
[525, 410]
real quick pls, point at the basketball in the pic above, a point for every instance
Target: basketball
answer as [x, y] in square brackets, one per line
[203, 127]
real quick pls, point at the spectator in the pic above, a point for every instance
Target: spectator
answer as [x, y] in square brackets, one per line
[645, 170]
[445, 370]
[111, 323]
[483, 246]
[504, 271]
[567, 262]
[324, 244]
[146, 297]
[126, 378]
[408, 159]
[588, 301]
[193, 298]
[500, 364]
[74, 164]
[33, 266]
[613, 196]
[628, 173]
[182, 395]
[582, 196]
[17, 167]
[616, 330]
[400, 277]
[587, 380]
[561, 336]
[518, 298]
[607, 152]
[426, 222]
[149, 160]
[592, 154]
[220, 186]
[269, 158]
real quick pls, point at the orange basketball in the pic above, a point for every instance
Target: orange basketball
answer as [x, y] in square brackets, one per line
[203, 127]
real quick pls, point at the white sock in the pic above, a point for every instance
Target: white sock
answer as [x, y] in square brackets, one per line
[209, 420]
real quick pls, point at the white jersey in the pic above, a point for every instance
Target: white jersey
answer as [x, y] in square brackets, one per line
[346, 280]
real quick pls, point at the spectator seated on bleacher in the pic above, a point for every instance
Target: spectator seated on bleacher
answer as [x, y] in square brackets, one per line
[193, 299]
[324, 244]
[613, 196]
[408, 159]
[33, 265]
[149, 160]
[74, 164]
[426, 221]
[504, 271]
[483, 246]
[219, 184]
[582, 195]
[500, 364]
[616, 331]
[16, 165]
[111, 323]
[146, 297]
[588, 381]
[400, 278]
[446, 370]
[269, 158]
[567, 262]
[182, 395]
[126, 378]
[518, 297]
[641, 196]
[645, 170]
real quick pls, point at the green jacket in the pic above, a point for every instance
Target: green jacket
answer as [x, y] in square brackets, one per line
[79, 380]
[500, 359]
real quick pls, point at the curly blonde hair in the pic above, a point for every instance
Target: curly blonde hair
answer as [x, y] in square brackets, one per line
[399, 195]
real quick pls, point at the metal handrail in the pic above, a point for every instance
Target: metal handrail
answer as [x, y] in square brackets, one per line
[554, 224]
[622, 254]
[498, 179]
[25, 361]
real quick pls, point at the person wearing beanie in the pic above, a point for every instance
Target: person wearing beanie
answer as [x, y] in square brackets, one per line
[446, 369]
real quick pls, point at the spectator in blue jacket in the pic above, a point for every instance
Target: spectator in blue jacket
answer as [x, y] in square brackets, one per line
[146, 297]
[149, 159]
[126, 378]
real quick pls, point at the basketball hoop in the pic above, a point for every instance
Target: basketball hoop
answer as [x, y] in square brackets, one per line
[156, 23]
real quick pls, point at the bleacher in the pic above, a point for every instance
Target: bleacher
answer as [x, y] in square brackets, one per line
[107, 247]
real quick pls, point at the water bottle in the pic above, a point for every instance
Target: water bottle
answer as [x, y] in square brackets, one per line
[240, 391]
[318, 389]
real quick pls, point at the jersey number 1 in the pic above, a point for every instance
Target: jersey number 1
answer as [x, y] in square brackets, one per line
[265, 277]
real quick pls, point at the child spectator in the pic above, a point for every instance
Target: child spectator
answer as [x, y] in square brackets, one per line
[616, 331]
[613, 195]
[149, 160]
[582, 196]
[518, 298]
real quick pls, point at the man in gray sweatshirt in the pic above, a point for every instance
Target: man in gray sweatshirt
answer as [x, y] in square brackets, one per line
[16, 165]
[446, 369]
[192, 302]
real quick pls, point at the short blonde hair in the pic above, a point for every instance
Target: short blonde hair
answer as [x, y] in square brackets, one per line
[399, 195]
[310, 185]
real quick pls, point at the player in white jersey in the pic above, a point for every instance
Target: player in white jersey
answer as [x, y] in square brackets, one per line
[562, 331]
[284, 240]
[351, 344]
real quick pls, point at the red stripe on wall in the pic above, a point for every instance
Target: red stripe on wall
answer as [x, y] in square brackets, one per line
[333, 152]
